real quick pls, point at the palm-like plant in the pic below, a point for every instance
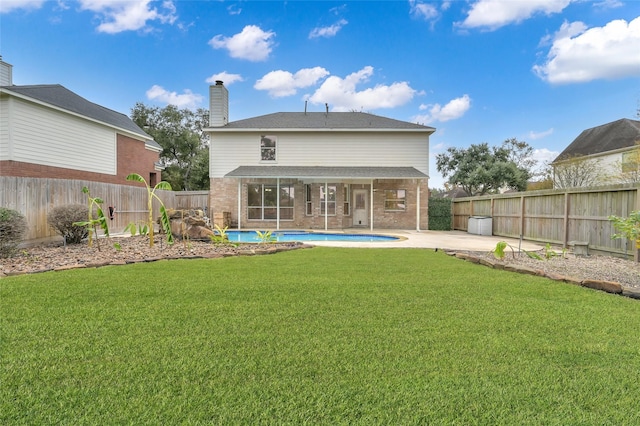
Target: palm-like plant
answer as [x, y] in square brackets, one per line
[164, 217]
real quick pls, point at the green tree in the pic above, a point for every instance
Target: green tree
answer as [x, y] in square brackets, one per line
[481, 170]
[185, 147]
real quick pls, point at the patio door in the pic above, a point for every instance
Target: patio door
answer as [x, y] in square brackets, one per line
[360, 207]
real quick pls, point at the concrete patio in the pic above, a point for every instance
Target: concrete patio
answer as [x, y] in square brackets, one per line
[449, 240]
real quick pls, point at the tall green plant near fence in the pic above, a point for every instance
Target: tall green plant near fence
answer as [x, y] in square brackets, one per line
[440, 214]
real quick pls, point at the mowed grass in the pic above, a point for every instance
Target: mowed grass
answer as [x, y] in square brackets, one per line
[317, 336]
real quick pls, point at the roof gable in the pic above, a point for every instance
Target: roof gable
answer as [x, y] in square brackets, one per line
[324, 121]
[623, 133]
[63, 98]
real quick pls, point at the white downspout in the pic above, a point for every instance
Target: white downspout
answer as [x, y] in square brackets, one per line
[418, 206]
[371, 207]
[239, 204]
[278, 204]
[326, 206]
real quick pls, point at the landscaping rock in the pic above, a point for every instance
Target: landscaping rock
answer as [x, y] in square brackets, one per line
[608, 286]
[632, 292]
[555, 277]
[468, 257]
[189, 224]
[488, 262]
[522, 269]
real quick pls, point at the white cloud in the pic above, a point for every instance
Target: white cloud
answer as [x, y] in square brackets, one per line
[454, 109]
[252, 43]
[226, 77]
[544, 155]
[609, 4]
[118, 16]
[329, 31]
[539, 135]
[342, 95]
[7, 6]
[493, 14]
[283, 83]
[234, 9]
[424, 10]
[579, 54]
[186, 100]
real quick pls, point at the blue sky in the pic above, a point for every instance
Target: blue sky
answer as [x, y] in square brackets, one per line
[478, 71]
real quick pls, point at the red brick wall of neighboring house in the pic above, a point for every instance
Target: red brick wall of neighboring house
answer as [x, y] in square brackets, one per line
[132, 158]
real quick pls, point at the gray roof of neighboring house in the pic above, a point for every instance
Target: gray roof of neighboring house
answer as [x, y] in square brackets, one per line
[317, 172]
[61, 97]
[619, 134]
[327, 121]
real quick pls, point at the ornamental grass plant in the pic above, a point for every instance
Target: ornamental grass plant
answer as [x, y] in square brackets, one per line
[318, 336]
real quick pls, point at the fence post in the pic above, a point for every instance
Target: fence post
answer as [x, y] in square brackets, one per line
[522, 217]
[636, 249]
[565, 220]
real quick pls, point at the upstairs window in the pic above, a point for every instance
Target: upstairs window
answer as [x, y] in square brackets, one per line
[268, 148]
[631, 161]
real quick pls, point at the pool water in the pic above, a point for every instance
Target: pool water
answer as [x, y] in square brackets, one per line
[290, 236]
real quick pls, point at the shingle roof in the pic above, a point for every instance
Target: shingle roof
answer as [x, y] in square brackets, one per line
[321, 120]
[61, 97]
[618, 134]
[316, 172]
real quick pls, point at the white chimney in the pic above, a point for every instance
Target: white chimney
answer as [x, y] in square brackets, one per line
[6, 73]
[218, 105]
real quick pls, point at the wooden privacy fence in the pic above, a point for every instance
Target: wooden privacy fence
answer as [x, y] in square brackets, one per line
[35, 197]
[556, 216]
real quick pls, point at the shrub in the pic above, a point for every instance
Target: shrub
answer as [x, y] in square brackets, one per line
[13, 225]
[439, 214]
[62, 219]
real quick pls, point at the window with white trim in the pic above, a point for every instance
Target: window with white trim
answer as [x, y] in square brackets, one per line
[631, 161]
[262, 202]
[309, 204]
[268, 148]
[346, 193]
[395, 200]
[328, 199]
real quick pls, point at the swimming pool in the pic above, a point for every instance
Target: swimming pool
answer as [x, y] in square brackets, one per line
[289, 236]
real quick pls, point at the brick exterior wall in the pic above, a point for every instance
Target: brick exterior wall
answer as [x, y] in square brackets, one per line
[133, 157]
[224, 192]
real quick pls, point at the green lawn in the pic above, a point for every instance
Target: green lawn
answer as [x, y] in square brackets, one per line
[317, 336]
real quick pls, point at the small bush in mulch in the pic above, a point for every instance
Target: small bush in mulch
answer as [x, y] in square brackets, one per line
[13, 225]
[62, 219]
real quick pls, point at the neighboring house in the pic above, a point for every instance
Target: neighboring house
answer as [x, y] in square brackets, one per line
[317, 170]
[47, 131]
[612, 147]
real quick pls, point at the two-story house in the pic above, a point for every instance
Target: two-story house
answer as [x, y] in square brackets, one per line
[47, 131]
[317, 170]
[613, 150]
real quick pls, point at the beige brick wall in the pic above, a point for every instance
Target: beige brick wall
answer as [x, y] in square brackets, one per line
[223, 197]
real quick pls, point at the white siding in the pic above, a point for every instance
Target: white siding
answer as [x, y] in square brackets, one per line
[4, 129]
[41, 135]
[333, 149]
[6, 73]
[218, 105]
